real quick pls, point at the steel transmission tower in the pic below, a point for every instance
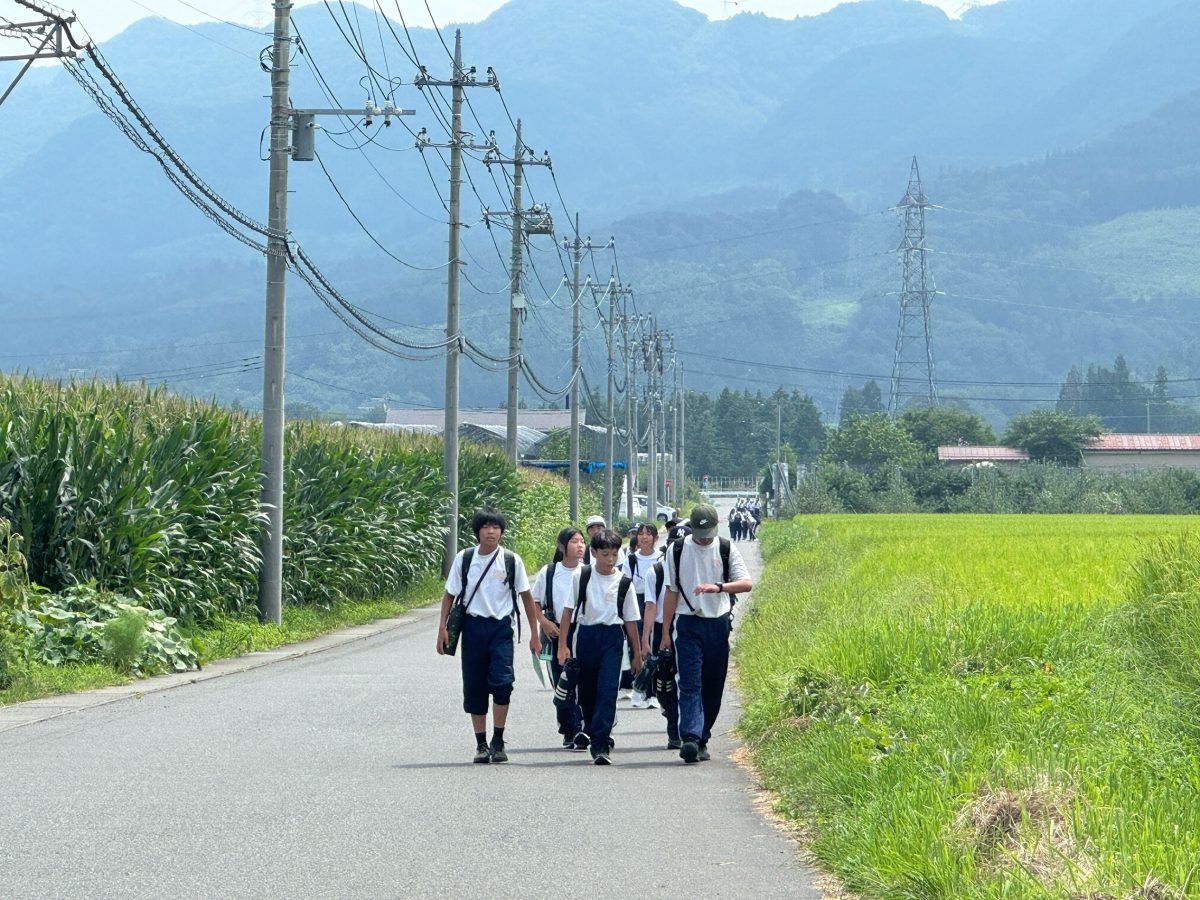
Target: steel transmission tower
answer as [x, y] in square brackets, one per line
[912, 371]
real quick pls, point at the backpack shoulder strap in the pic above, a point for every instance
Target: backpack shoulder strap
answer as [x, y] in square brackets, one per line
[510, 573]
[724, 550]
[677, 556]
[633, 562]
[548, 599]
[585, 575]
[467, 556]
[623, 590]
[659, 574]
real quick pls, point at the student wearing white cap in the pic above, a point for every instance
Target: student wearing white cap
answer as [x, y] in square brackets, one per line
[703, 573]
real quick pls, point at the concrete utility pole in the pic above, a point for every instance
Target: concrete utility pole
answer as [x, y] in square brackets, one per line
[609, 510]
[631, 440]
[613, 290]
[535, 221]
[680, 471]
[270, 580]
[577, 245]
[459, 79]
[292, 135]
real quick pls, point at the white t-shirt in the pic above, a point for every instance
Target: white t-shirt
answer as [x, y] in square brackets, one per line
[656, 589]
[564, 586]
[643, 566]
[702, 565]
[494, 599]
[601, 607]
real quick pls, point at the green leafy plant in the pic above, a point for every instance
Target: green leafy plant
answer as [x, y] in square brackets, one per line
[71, 628]
[124, 640]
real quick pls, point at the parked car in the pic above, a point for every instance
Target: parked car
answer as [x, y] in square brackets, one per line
[665, 511]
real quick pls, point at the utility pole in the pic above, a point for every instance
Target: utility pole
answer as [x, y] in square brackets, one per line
[459, 79]
[608, 468]
[270, 580]
[613, 290]
[631, 438]
[679, 466]
[540, 224]
[913, 363]
[577, 245]
[293, 136]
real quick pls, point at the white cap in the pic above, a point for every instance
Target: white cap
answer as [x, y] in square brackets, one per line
[594, 520]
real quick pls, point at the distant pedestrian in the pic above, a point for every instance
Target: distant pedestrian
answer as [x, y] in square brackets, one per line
[703, 573]
[594, 526]
[603, 610]
[551, 588]
[487, 579]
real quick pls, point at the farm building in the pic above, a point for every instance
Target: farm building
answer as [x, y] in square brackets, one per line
[1128, 452]
[1106, 453]
[980, 454]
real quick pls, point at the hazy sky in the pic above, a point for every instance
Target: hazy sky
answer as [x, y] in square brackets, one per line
[104, 18]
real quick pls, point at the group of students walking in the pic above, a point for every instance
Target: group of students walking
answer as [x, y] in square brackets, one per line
[670, 606]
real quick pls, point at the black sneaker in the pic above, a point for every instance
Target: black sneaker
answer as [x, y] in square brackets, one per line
[601, 759]
[702, 755]
[568, 742]
[483, 755]
[689, 751]
[580, 742]
[498, 754]
[674, 743]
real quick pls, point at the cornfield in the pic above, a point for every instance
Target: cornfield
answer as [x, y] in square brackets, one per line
[157, 497]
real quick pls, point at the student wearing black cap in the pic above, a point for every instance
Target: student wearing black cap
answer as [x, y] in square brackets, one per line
[697, 622]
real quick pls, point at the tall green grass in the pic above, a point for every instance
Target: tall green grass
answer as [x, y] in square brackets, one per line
[157, 498]
[982, 706]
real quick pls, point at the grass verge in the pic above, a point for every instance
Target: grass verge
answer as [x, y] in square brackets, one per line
[982, 706]
[227, 637]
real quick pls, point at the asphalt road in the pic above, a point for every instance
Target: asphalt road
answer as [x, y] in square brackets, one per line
[347, 774]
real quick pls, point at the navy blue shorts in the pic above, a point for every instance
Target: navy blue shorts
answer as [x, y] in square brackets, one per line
[487, 663]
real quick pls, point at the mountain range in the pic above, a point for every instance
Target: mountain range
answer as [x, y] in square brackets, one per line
[746, 170]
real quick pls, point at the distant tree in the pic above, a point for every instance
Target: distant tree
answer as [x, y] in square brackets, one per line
[862, 401]
[933, 426]
[1048, 435]
[872, 444]
[1070, 393]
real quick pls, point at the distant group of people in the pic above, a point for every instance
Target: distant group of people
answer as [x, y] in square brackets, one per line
[655, 621]
[744, 519]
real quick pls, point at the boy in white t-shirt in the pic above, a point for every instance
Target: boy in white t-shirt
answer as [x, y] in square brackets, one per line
[604, 610]
[495, 577]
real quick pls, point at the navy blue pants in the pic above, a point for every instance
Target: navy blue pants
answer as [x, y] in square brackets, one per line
[669, 703]
[570, 719]
[702, 656]
[487, 663]
[598, 649]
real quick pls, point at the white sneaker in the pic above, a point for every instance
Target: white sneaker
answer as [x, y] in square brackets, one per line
[653, 703]
[624, 694]
[639, 701]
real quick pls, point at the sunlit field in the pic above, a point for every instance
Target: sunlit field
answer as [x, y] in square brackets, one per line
[983, 706]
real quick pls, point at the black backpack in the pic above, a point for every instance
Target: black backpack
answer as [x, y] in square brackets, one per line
[585, 576]
[510, 578]
[723, 549]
